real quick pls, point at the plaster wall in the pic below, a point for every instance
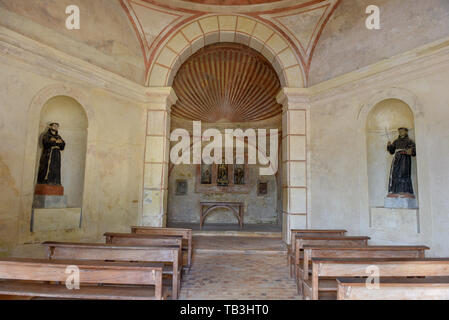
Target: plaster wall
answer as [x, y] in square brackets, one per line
[258, 209]
[347, 45]
[106, 37]
[186, 208]
[338, 151]
[113, 169]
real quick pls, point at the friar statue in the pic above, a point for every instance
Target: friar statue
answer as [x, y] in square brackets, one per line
[50, 162]
[403, 149]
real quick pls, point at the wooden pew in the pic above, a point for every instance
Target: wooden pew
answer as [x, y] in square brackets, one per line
[296, 233]
[118, 252]
[391, 267]
[185, 233]
[31, 277]
[336, 241]
[433, 288]
[145, 240]
[315, 252]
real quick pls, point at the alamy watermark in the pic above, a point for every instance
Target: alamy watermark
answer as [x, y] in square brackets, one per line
[373, 280]
[73, 21]
[373, 20]
[212, 153]
[72, 281]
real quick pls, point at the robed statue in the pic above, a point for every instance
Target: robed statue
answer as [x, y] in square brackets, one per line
[222, 175]
[403, 149]
[50, 162]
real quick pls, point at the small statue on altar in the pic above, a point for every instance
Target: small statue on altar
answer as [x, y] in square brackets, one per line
[206, 176]
[222, 175]
[239, 175]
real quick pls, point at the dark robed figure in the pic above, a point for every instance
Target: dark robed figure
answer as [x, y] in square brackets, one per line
[403, 150]
[50, 162]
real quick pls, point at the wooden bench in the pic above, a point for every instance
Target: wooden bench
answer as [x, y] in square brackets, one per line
[186, 235]
[336, 241]
[391, 267]
[311, 252]
[297, 233]
[98, 279]
[433, 288]
[118, 252]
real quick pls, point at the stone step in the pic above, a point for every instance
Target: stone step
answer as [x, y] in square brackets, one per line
[261, 234]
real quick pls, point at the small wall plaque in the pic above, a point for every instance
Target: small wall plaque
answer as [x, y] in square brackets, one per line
[262, 188]
[181, 187]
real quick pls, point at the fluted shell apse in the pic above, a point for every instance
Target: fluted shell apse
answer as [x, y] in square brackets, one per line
[226, 82]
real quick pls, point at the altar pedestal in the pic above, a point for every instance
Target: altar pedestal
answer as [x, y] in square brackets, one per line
[55, 219]
[45, 201]
[396, 221]
[400, 203]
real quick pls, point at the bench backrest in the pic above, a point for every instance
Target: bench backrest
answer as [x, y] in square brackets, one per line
[297, 233]
[390, 267]
[90, 271]
[433, 288]
[332, 241]
[328, 241]
[101, 251]
[142, 239]
[185, 233]
[360, 252]
[387, 267]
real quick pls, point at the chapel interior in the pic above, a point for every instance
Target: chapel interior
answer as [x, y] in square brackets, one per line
[108, 108]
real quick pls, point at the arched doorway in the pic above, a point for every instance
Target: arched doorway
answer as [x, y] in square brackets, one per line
[177, 49]
[227, 86]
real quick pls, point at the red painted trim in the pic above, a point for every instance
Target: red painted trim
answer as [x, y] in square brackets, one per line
[139, 38]
[276, 18]
[319, 36]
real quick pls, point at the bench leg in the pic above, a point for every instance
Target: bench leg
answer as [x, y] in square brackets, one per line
[189, 252]
[290, 265]
[299, 286]
[176, 285]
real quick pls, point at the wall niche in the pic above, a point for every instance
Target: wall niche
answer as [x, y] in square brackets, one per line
[382, 126]
[73, 124]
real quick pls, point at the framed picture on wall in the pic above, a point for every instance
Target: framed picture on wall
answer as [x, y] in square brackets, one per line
[262, 188]
[181, 187]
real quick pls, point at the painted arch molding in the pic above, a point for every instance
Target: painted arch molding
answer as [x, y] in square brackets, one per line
[286, 36]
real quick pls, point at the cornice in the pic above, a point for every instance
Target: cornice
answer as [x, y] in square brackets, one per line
[49, 62]
[419, 62]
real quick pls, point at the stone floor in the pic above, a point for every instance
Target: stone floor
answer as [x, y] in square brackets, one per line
[236, 268]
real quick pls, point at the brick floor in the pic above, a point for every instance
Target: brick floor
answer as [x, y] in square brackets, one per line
[222, 273]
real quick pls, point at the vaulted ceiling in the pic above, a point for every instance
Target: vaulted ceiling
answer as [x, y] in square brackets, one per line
[226, 82]
[298, 22]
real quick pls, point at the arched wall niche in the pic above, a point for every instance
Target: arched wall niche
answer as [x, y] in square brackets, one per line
[235, 105]
[73, 128]
[382, 123]
[263, 210]
[32, 139]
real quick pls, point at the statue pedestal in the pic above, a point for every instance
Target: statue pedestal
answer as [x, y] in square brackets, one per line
[400, 203]
[49, 190]
[396, 221]
[55, 219]
[49, 197]
[41, 201]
